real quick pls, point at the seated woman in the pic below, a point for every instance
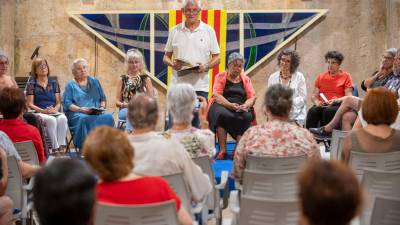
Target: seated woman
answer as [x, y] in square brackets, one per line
[329, 88]
[288, 61]
[277, 137]
[6, 204]
[12, 106]
[118, 184]
[181, 100]
[379, 110]
[231, 105]
[344, 116]
[329, 194]
[43, 96]
[135, 81]
[84, 102]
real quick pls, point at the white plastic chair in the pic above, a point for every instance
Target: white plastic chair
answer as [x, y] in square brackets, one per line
[147, 214]
[259, 211]
[270, 185]
[177, 183]
[386, 211]
[214, 201]
[265, 163]
[27, 151]
[337, 143]
[17, 191]
[270, 164]
[381, 161]
[378, 183]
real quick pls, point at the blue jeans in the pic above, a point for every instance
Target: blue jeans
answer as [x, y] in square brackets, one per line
[122, 115]
[195, 121]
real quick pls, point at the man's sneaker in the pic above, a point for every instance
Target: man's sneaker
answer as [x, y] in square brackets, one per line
[320, 132]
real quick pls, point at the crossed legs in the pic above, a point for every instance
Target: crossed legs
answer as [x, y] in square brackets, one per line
[345, 115]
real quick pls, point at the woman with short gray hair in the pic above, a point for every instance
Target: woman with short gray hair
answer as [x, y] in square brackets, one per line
[181, 102]
[232, 103]
[84, 103]
[278, 137]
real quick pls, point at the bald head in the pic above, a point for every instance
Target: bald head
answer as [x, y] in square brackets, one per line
[143, 111]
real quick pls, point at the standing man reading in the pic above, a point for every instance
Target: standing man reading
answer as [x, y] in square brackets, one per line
[192, 43]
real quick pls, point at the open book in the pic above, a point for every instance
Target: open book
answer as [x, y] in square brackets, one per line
[187, 68]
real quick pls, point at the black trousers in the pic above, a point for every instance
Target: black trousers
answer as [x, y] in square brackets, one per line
[318, 116]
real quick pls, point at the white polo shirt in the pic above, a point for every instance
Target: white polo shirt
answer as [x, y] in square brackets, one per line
[194, 47]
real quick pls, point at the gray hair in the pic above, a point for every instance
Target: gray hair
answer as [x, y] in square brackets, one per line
[78, 61]
[391, 51]
[134, 53]
[278, 100]
[235, 56]
[196, 2]
[143, 111]
[180, 102]
[3, 55]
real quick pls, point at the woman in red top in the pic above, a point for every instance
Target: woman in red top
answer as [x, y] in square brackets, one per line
[329, 88]
[12, 106]
[109, 152]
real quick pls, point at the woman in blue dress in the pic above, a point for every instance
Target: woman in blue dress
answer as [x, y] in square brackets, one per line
[84, 102]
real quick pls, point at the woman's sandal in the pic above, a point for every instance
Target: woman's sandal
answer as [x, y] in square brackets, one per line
[221, 155]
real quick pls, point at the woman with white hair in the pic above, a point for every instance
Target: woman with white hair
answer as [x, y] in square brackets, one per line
[181, 102]
[232, 103]
[134, 81]
[84, 103]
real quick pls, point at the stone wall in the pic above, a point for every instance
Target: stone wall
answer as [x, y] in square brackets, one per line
[361, 29]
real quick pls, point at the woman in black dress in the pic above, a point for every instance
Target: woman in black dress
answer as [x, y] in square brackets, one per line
[232, 103]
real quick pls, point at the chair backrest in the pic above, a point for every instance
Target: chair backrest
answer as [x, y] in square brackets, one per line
[27, 151]
[378, 183]
[147, 214]
[177, 183]
[15, 182]
[381, 161]
[259, 211]
[386, 211]
[337, 143]
[265, 163]
[204, 162]
[272, 185]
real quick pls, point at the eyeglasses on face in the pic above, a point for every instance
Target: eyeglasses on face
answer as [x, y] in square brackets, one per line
[191, 11]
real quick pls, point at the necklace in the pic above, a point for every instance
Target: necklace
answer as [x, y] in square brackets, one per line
[284, 78]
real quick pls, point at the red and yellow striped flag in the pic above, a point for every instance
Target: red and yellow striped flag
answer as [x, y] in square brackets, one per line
[217, 20]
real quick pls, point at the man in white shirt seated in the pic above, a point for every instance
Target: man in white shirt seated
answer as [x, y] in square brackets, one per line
[158, 155]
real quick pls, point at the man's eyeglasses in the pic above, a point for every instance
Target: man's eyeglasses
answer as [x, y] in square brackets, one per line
[191, 11]
[387, 57]
[3, 63]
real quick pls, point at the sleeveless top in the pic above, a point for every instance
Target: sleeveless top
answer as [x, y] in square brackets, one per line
[362, 141]
[132, 86]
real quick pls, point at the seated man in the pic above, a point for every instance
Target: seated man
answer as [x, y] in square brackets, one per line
[158, 155]
[64, 193]
[351, 104]
[6, 144]
[329, 88]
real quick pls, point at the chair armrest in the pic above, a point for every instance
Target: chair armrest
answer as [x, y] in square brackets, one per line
[29, 186]
[234, 202]
[224, 180]
[198, 207]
